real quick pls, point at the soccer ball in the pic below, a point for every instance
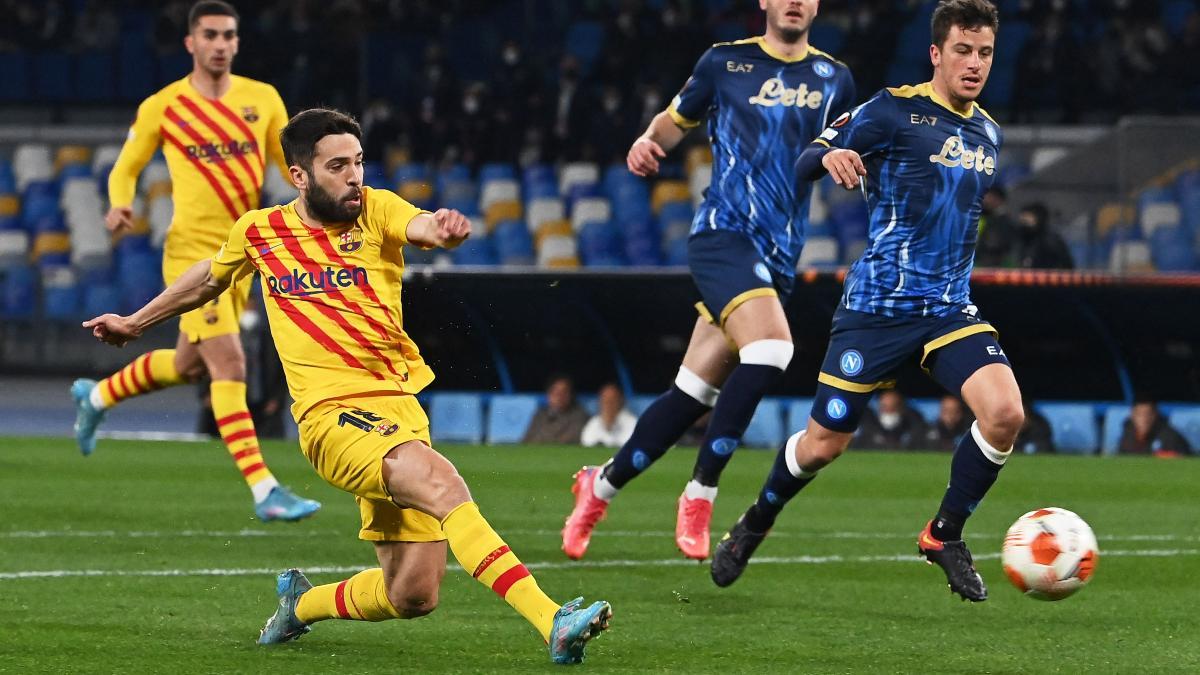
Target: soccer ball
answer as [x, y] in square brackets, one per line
[1049, 554]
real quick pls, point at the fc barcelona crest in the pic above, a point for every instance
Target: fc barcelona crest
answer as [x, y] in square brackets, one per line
[350, 241]
[250, 113]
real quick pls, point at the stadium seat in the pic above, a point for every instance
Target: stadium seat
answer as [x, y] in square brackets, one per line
[60, 293]
[32, 162]
[501, 211]
[538, 173]
[580, 191]
[543, 209]
[20, 293]
[100, 299]
[552, 228]
[417, 192]
[558, 251]
[497, 171]
[668, 192]
[456, 417]
[14, 248]
[514, 245]
[451, 173]
[673, 211]
[577, 173]
[590, 210]
[1072, 426]
[1187, 422]
[677, 254]
[642, 249]
[638, 403]
[852, 250]
[698, 158]
[1158, 214]
[406, 172]
[1045, 156]
[698, 183]
[766, 427]
[1171, 249]
[477, 250]
[1112, 217]
[508, 417]
[1114, 422]
[929, 408]
[818, 251]
[67, 155]
[1130, 256]
[498, 190]
[601, 245]
[50, 246]
[458, 194]
[798, 412]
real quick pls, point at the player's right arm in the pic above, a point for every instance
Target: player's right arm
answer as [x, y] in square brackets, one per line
[669, 127]
[839, 149]
[140, 144]
[199, 284]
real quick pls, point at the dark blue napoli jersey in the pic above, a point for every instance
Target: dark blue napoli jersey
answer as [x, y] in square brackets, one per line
[762, 111]
[927, 169]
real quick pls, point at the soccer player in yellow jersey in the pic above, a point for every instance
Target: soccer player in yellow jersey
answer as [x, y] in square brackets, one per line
[332, 263]
[218, 131]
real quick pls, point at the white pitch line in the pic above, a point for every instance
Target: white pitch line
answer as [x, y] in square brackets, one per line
[653, 534]
[560, 565]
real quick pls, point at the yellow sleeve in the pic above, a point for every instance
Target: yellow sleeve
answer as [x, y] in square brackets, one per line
[393, 215]
[230, 263]
[140, 144]
[279, 119]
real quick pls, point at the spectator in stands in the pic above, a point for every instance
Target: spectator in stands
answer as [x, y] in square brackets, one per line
[561, 420]
[952, 423]
[1035, 436]
[894, 427]
[1038, 246]
[613, 425]
[997, 231]
[1148, 432]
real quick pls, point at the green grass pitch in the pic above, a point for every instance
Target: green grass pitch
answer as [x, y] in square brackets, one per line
[183, 575]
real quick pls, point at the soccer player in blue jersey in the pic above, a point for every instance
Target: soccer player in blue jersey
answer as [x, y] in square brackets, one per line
[765, 98]
[928, 153]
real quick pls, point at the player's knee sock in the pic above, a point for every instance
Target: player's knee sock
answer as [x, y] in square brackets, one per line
[362, 597]
[763, 361]
[973, 471]
[786, 480]
[657, 430]
[149, 372]
[485, 556]
[237, 430]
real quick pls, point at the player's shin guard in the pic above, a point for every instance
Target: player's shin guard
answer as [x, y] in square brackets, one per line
[973, 471]
[663, 423]
[362, 597]
[786, 480]
[149, 372]
[237, 430]
[762, 362]
[485, 556]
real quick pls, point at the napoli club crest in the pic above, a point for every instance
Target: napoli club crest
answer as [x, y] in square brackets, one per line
[823, 69]
[350, 241]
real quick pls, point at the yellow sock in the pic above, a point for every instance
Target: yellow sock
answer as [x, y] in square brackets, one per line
[362, 597]
[237, 430]
[149, 372]
[485, 556]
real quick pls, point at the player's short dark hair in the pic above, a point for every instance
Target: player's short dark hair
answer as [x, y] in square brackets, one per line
[966, 14]
[302, 133]
[210, 8]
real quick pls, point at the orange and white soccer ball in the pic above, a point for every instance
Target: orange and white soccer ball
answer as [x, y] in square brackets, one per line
[1049, 553]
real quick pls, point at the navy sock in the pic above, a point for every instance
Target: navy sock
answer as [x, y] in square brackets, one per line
[657, 430]
[739, 397]
[972, 474]
[777, 491]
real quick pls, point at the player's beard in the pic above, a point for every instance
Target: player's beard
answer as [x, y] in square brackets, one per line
[329, 209]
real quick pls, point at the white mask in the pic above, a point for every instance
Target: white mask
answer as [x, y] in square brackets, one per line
[889, 421]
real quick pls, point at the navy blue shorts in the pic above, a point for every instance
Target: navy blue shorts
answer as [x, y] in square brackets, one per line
[866, 349]
[729, 270]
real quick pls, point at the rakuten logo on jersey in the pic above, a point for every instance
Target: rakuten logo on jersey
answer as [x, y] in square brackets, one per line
[301, 282]
[774, 92]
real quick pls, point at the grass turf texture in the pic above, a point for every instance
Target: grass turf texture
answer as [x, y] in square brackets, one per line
[181, 506]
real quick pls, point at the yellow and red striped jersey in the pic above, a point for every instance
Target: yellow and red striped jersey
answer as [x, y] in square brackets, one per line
[216, 151]
[332, 298]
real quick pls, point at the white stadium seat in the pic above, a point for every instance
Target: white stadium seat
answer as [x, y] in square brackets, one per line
[577, 173]
[499, 190]
[541, 210]
[155, 172]
[1045, 156]
[14, 246]
[1129, 256]
[590, 210]
[1161, 214]
[556, 247]
[106, 155]
[818, 251]
[32, 162]
[276, 188]
[699, 182]
[161, 212]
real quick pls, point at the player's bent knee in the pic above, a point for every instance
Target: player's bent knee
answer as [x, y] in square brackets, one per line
[1002, 421]
[773, 353]
[410, 605]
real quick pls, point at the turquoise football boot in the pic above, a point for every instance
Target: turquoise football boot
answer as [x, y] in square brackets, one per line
[281, 504]
[573, 627]
[283, 626]
[87, 417]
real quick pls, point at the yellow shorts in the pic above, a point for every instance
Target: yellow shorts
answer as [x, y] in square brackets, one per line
[215, 318]
[345, 441]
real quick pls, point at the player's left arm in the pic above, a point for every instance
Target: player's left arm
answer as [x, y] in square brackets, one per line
[839, 149]
[278, 120]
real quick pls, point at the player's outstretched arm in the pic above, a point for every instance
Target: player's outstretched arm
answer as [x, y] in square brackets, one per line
[660, 138]
[444, 228]
[194, 288]
[844, 166]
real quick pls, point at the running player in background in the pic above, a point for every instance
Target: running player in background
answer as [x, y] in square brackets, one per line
[332, 265]
[928, 154]
[765, 98]
[217, 131]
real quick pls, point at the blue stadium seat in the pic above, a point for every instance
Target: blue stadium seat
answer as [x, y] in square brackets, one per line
[928, 407]
[375, 176]
[51, 222]
[61, 302]
[14, 73]
[1114, 422]
[409, 172]
[453, 173]
[766, 427]
[1171, 249]
[590, 403]
[642, 249]
[579, 191]
[514, 245]
[20, 293]
[508, 417]
[1187, 422]
[677, 252]
[537, 173]
[70, 171]
[672, 211]
[475, 251]
[456, 417]
[600, 244]
[638, 403]
[496, 171]
[797, 414]
[100, 299]
[1072, 426]
[539, 188]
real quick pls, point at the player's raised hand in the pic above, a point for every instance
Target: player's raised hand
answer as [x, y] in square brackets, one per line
[113, 329]
[643, 157]
[453, 228]
[845, 166]
[119, 218]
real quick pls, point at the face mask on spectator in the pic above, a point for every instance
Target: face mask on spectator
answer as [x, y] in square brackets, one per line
[511, 55]
[890, 420]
